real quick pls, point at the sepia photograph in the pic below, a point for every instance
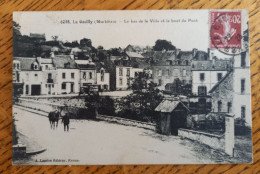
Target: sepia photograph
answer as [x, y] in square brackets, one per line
[131, 87]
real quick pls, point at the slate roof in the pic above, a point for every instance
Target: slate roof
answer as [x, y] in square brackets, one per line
[133, 54]
[87, 66]
[82, 62]
[26, 62]
[59, 61]
[201, 55]
[185, 55]
[46, 60]
[209, 65]
[168, 106]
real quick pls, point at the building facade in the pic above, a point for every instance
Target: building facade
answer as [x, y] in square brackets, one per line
[233, 93]
[242, 88]
[205, 74]
[124, 74]
[67, 75]
[103, 79]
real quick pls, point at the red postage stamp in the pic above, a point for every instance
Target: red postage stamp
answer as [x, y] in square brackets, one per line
[225, 30]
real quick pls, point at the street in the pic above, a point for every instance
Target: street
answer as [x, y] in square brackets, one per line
[99, 142]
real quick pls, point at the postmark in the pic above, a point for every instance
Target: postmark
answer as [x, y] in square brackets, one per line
[225, 32]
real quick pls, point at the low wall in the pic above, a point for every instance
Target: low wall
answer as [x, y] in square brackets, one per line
[74, 111]
[127, 122]
[212, 140]
[38, 105]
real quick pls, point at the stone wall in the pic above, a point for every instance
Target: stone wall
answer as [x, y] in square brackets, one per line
[212, 140]
[223, 93]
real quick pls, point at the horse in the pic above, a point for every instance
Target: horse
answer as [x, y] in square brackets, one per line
[54, 118]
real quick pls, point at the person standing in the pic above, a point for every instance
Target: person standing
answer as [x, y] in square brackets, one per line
[66, 122]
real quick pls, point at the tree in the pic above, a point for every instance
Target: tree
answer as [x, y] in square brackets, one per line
[145, 98]
[16, 29]
[74, 43]
[92, 102]
[100, 47]
[114, 51]
[163, 45]
[85, 42]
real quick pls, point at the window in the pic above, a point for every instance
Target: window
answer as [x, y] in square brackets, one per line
[46, 66]
[243, 60]
[128, 72]
[72, 75]
[243, 112]
[49, 76]
[14, 66]
[84, 75]
[202, 90]
[121, 81]
[121, 72]
[35, 67]
[128, 81]
[90, 75]
[169, 62]
[27, 89]
[102, 75]
[63, 86]
[64, 75]
[186, 62]
[105, 87]
[18, 77]
[219, 75]
[242, 86]
[18, 66]
[219, 106]
[202, 76]
[229, 105]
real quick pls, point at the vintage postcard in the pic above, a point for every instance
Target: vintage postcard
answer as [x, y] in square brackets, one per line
[131, 87]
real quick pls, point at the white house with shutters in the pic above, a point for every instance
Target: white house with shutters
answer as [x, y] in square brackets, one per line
[205, 74]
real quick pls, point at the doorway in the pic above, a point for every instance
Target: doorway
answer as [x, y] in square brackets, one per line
[72, 87]
[36, 90]
[178, 120]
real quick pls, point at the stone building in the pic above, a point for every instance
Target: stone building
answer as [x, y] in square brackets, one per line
[233, 93]
[167, 66]
[205, 74]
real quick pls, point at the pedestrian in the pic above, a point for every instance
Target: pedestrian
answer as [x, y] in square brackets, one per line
[66, 122]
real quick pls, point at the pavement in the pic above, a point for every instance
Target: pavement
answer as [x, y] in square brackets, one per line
[100, 142]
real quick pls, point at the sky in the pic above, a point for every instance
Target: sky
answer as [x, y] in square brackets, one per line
[194, 33]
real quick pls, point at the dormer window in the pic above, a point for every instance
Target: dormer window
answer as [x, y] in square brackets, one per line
[35, 66]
